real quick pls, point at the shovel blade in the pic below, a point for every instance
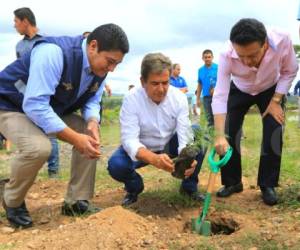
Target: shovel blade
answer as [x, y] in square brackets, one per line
[203, 228]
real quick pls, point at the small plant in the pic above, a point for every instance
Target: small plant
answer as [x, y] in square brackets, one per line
[203, 138]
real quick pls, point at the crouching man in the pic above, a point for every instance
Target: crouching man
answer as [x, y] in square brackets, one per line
[155, 125]
[39, 94]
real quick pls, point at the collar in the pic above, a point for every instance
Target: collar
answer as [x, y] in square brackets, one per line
[34, 37]
[85, 62]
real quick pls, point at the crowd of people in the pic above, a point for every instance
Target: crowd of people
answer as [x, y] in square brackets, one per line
[53, 77]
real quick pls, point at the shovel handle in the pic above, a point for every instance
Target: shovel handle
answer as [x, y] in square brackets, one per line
[216, 165]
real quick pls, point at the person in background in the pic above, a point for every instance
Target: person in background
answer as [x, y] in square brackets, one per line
[130, 86]
[207, 78]
[257, 69]
[25, 24]
[297, 93]
[176, 80]
[195, 109]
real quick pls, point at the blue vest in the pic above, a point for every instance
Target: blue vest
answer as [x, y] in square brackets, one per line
[65, 100]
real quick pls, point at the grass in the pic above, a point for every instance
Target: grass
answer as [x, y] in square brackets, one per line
[289, 196]
[7, 246]
[161, 186]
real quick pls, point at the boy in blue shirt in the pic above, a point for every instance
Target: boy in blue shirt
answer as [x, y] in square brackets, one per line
[207, 78]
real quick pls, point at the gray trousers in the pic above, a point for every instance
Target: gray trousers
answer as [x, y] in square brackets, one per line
[33, 150]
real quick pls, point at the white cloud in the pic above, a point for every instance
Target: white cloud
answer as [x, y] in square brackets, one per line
[180, 29]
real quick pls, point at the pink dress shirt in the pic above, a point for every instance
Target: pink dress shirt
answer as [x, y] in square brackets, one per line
[278, 67]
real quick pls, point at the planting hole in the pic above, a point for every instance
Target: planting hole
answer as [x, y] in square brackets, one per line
[223, 225]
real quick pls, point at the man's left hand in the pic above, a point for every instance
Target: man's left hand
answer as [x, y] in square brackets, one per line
[275, 110]
[190, 170]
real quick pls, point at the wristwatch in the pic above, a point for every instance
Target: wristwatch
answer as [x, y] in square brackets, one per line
[276, 99]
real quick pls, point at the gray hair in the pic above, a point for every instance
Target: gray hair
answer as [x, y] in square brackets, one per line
[155, 63]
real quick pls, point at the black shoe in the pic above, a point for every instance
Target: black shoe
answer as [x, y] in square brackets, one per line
[195, 196]
[129, 199]
[18, 216]
[269, 195]
[226, 191]
[80, 207]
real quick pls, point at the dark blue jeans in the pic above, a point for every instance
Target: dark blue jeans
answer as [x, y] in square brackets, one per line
[207, 100]
[122, 168]
[53, 160]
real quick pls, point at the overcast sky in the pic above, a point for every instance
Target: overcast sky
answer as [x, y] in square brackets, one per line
[179, 29]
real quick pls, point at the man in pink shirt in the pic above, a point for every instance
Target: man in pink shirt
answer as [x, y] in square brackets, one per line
[258, 68]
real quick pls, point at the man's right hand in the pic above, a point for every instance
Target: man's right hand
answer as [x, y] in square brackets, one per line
[221, 145]
[87, 146]
[164, 162]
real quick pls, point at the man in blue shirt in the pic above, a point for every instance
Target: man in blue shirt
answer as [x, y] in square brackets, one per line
[39, 94]
[176, 80]
[207, 78]
[25, 24]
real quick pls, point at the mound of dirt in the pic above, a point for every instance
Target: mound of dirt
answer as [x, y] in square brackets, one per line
[112, 228]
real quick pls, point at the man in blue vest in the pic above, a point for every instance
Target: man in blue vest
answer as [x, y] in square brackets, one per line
[39, 93]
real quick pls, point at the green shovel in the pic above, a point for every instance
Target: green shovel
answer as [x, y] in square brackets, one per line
[200, 225]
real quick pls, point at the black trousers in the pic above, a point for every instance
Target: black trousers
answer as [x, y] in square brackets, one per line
[271, 146]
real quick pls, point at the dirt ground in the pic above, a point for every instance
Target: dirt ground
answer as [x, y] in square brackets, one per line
[150, 223]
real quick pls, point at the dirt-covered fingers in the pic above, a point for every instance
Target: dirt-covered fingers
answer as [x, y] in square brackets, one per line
[190, 170]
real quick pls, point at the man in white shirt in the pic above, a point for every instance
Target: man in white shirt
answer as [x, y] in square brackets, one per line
[155, 125]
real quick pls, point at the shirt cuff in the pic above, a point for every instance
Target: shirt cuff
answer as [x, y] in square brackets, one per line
[282, 88]
[219, 108]
[54, 128]
[88, 114]
[132, 149]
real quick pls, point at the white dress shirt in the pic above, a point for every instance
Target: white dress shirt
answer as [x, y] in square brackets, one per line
[150, 125]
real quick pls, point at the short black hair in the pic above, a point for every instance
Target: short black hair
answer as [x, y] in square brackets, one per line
[248, 30]
[109, 37]
[27, 13]
[207, 51]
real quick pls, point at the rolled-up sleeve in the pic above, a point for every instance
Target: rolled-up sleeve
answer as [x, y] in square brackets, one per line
[220, 97]
[289, 67]
[130, 129]
[183, 126]
[46, 66]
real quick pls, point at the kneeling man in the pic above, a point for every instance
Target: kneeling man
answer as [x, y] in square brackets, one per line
[155, 126]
